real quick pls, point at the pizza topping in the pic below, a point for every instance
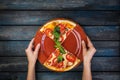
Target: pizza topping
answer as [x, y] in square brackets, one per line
[58, 45]
[54, 62]
[48, 32]
[60, 58]
[69, 63]
[57, 52]
[70, 57]
[56, 33]
[61, 38]
[60, 64]
[62, 28]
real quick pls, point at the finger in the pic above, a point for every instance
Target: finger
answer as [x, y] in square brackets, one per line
[90, 45]
[93, 50]
[84, 47]
[37, 49]
[30, 46]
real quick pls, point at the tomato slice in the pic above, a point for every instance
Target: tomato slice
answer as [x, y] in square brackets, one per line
[70, 57]
[48, 32]
[57, 52]
[61, 38]
[60, 64]
[62, 28]
[54, 62]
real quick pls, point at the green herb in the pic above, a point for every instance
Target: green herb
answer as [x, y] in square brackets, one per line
[56, 32]
[58, 45]
[62, 50]
[60, 59]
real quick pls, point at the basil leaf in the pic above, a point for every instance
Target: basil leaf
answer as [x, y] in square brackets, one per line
[62, 50]
[56, 32]
[57, 35]
[57, 29]
[60, 59]
[58, 45]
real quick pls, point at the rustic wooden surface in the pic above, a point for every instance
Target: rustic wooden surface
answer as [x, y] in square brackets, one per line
[60, 5]
[20, 19]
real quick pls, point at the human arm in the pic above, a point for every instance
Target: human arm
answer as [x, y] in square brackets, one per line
[32, 58]
[88, 52]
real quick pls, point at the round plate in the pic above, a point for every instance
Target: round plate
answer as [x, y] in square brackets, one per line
[72, 43]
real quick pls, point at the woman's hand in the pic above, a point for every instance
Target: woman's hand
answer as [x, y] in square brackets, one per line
[32, 55]
[32, 58]
[88, 51]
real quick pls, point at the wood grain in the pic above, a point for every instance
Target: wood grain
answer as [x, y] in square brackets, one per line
[27, 32]
[59, 5]
[59, 76]
[20, 64]
[41, 17]
[20, 19]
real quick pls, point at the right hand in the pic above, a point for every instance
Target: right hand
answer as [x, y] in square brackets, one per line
[88, 51]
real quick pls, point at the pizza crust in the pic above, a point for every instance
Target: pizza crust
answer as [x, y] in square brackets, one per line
[62, 69]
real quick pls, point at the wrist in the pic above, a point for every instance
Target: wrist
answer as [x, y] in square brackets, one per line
[31, 65]
[87, 63]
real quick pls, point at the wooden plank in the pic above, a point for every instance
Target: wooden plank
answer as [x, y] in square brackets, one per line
[27, 32]
[40, 17]
[59, 76]
[98, 64]
[17, 48]
[60, 5]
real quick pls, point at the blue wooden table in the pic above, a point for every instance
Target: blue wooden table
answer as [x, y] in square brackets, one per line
[20, 19]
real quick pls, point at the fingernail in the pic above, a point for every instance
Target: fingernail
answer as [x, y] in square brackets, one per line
[39, 44]
[83, 42]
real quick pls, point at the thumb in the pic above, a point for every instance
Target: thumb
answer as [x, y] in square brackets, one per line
[37, 49]
[84, 47]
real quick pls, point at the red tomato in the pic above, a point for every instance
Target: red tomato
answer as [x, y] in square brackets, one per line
[54, 62]
[70, 57]
[62, 28]
[57, 52]
[61, 38]
[60, 64]
[48, 32]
